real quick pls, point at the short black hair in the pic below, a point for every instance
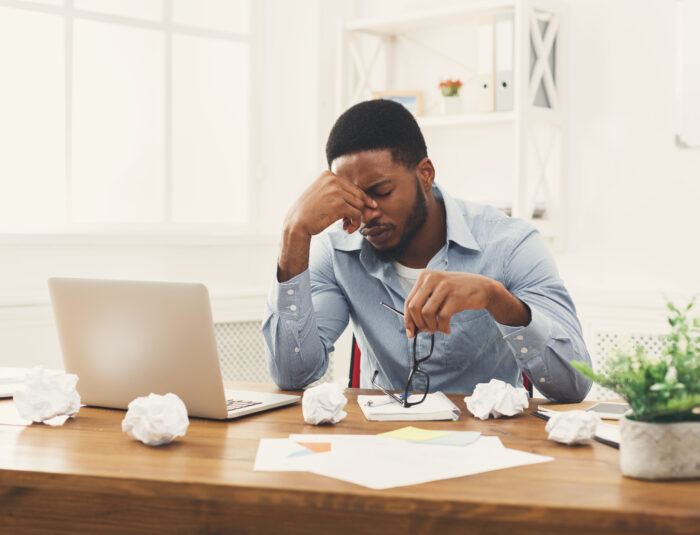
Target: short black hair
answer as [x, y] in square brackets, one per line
[376, 125]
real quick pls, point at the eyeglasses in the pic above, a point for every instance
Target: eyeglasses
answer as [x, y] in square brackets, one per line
[418, 380]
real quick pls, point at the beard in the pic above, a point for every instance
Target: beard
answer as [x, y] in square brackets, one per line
[415, 220]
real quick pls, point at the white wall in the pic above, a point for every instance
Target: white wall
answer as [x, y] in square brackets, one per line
[632, 193]
[297, 109]
[291, 114]
[236, 270]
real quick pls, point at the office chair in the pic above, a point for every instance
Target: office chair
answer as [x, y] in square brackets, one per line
[355, 356]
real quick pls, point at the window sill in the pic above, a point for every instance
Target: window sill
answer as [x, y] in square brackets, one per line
[189, 236]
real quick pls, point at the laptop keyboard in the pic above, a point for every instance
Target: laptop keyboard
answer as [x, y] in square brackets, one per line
[235, 404]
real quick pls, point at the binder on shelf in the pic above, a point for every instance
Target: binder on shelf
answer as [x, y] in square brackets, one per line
[485, 98]
[503, 28]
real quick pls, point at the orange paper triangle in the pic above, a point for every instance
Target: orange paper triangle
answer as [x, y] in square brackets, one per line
[316, 447]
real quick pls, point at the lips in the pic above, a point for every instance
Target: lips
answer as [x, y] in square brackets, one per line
[377, 234]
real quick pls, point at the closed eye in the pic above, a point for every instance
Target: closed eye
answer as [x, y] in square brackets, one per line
[383, 194]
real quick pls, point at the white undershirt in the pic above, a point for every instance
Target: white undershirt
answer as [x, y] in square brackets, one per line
[407, 276]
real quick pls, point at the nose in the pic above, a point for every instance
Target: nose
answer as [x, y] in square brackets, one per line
[370, 213]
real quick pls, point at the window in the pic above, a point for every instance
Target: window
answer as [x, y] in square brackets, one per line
[125, 114]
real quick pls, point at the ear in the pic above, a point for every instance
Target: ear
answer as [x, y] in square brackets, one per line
[426, 174]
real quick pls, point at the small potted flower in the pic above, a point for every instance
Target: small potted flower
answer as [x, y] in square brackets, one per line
[450, 88]
[660, 436]
[450, 93]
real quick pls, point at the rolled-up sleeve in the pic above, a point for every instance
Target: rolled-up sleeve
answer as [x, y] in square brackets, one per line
[303, 319]
[553, 339]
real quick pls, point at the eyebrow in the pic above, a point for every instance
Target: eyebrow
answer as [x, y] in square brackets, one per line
[377, 185]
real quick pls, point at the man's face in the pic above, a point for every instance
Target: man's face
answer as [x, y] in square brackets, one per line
[401, 203]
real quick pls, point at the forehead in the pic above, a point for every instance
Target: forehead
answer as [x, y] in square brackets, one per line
[366, 167]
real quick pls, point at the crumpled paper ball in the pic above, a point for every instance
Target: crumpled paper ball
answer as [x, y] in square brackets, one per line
[47, 397]
[156, 420]
[572, 427]
[496, 399]
[324, 404]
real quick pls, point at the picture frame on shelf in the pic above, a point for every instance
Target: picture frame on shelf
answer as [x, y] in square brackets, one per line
[411, 100]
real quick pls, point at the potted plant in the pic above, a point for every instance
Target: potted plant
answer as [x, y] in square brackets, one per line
[450, 95]
[660, 435]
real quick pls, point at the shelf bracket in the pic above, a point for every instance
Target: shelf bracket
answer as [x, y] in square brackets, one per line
[542, 72]
[363, 70]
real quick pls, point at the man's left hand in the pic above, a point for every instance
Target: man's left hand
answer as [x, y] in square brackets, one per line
[438, 295]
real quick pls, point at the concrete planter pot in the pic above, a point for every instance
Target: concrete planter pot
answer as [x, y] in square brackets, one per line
[660, 451]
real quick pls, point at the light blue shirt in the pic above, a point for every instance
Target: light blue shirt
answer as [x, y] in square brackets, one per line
[346, 281]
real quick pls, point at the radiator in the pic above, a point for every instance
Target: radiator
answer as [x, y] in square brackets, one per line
[241, 350]
[606, 343]
[242, 353]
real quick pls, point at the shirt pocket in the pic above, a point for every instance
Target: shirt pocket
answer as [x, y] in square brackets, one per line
[474, 336]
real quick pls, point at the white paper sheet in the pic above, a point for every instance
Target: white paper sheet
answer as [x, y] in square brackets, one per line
[286, 455]
[382, 463]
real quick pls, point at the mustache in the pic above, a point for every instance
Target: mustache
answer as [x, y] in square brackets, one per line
[364, 229]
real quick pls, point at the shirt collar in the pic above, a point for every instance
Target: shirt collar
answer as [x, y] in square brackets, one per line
[458, 231]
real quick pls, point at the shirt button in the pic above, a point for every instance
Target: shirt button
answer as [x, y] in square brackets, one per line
[293, 308]
[296, 350]
[519, 337]
[290, 292]
[543, 380]
[523, 350]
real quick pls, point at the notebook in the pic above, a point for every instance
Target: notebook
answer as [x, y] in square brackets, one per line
[125, 339]
[436, 406]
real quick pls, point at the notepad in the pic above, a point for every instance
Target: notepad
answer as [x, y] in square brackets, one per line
[436, 406]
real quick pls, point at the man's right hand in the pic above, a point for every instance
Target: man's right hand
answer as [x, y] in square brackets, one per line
[324, 202]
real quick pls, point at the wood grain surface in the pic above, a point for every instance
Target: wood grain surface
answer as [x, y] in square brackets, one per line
[89, 477]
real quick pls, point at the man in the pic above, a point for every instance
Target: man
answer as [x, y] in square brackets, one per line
[484, 284]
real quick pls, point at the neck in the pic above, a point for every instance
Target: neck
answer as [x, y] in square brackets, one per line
[429, 239]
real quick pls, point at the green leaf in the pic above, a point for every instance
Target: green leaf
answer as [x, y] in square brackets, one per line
[641, 379]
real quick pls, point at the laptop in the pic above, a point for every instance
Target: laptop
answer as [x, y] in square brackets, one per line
[125, 339]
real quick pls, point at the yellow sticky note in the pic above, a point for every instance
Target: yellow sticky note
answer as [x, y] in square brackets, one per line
[414, 434]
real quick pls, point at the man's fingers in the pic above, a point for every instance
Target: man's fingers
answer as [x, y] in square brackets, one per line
[443, 317]
[352, 218]
[409, 324]
[352, 199]
[415, 303]
[433, 305]
[355, 196]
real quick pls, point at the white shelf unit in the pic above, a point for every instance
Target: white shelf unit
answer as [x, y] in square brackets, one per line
[538, 133]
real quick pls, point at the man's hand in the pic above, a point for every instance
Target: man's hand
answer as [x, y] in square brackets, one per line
[324, 202]
[438, 295]
[327, 200]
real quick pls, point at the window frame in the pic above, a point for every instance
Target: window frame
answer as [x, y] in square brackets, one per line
[167, 231]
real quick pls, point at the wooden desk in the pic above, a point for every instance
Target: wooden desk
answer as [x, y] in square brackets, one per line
[90, 477]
